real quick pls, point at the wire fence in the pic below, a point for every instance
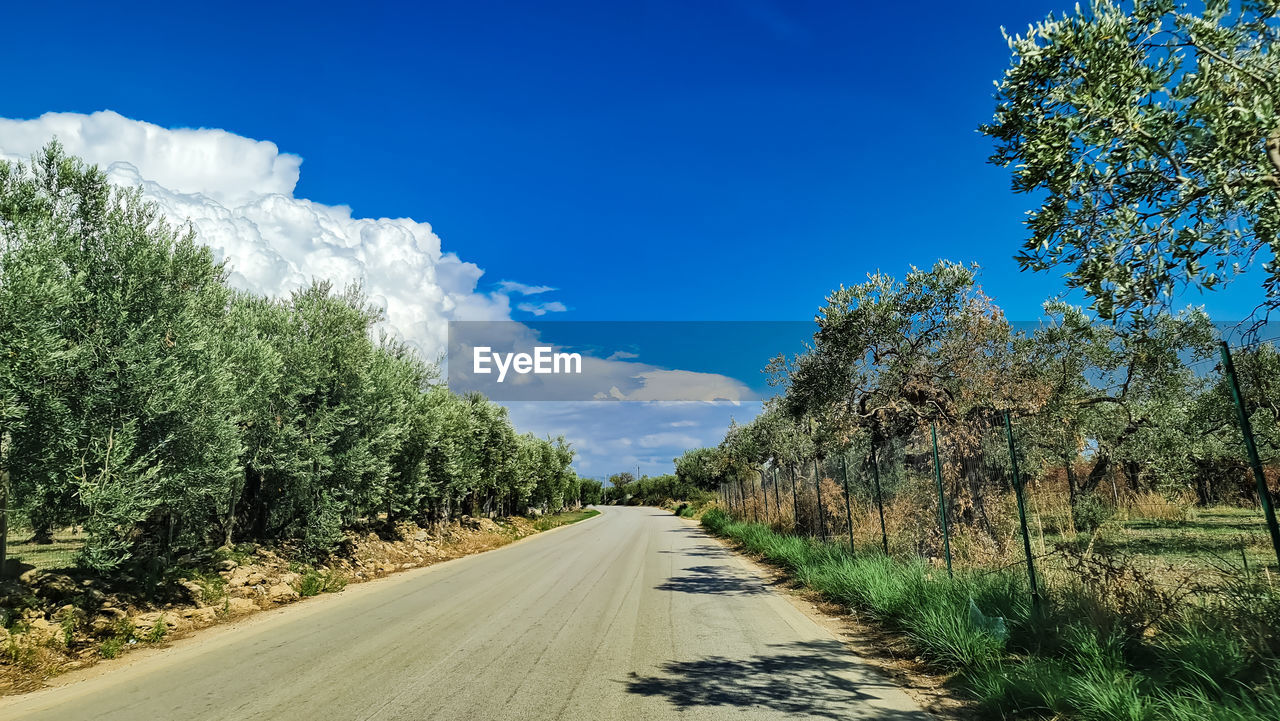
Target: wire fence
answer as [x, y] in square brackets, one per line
[994, 491]
[47, 550]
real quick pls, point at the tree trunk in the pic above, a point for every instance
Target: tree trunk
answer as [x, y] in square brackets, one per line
[42, 533]
[259, 507]
[4, 503]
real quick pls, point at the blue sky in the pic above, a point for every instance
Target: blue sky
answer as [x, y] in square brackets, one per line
[712, 160]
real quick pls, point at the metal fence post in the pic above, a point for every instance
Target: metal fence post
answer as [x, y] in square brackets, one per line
[817, 487]
[848, 512]
[777, 504]
[942, 498]
[875, 474]
[795, 501]
[1022, 515]
[764, 492]
[1264, 494]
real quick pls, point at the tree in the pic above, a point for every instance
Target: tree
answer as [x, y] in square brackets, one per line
[1125, 394]
[134, 436]
[697, 467]
[621, 480]
[1153, 134]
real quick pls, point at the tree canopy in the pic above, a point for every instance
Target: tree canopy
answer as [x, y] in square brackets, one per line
[1152, 135]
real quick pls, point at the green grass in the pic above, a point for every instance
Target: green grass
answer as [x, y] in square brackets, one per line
[58, 555]
[1209, 539]
[124, 635]
[1076, 660]
[314, 583]
[555, 520]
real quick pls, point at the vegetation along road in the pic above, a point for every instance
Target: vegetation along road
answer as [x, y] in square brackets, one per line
[632, 615]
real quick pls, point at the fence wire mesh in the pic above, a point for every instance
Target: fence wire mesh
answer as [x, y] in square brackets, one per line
[1178, 523]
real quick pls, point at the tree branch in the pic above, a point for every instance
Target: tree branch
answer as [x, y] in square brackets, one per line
[1273, 153]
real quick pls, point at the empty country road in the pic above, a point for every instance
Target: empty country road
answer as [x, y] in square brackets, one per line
[634, 614]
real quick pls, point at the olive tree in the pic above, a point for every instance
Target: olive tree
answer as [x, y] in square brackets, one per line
[1152, 133]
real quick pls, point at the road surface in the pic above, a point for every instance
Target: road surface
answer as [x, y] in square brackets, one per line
[631, 615]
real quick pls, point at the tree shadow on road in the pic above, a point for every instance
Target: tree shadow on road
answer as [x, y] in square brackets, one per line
[811, 678]
[712, 580]
[702, 552]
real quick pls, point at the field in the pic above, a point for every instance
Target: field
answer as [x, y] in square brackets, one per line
[45, 556]
[1217, 541]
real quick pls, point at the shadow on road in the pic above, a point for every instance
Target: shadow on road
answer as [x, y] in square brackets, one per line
[813, 678]
[712, 579]
[701, 552]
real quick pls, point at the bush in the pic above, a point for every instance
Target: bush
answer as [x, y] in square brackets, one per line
[1090, 513]
[313, 582]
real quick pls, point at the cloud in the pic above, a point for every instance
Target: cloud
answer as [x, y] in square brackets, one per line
[648, 383]
[238, 194]
[593, 377]
[554, 306]
[510, 286]
[611, 437]
[622, 355]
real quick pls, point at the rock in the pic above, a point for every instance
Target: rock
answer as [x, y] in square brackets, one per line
[245, 592]
[406, 566]
[420, 536]
[241, 606]
[227, 565]
[67, 611]
[103, 626]
[44, 630]
[193, 591]
[256, 578]
[282, 593]
[239, 577]
[199, 616]
[14, 568]
[107, 621]
[57, 587]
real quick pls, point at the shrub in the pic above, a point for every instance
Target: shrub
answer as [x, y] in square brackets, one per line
[1090, 513]
[313, 582]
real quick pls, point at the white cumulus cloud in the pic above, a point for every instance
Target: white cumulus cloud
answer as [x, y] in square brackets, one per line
[238, 194]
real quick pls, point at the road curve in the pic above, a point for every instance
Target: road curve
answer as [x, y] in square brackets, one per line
[632, 615]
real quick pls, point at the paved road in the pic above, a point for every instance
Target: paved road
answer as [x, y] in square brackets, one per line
[631, 615]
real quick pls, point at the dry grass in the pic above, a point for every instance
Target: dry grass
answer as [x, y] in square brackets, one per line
[1162, 537]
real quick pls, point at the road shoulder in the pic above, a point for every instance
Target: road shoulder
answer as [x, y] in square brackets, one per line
[883, 652]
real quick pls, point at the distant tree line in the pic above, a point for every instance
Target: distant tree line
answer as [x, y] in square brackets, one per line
[651, 490]
[147, 402]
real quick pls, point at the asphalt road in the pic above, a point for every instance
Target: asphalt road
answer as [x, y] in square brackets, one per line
[631, 615]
